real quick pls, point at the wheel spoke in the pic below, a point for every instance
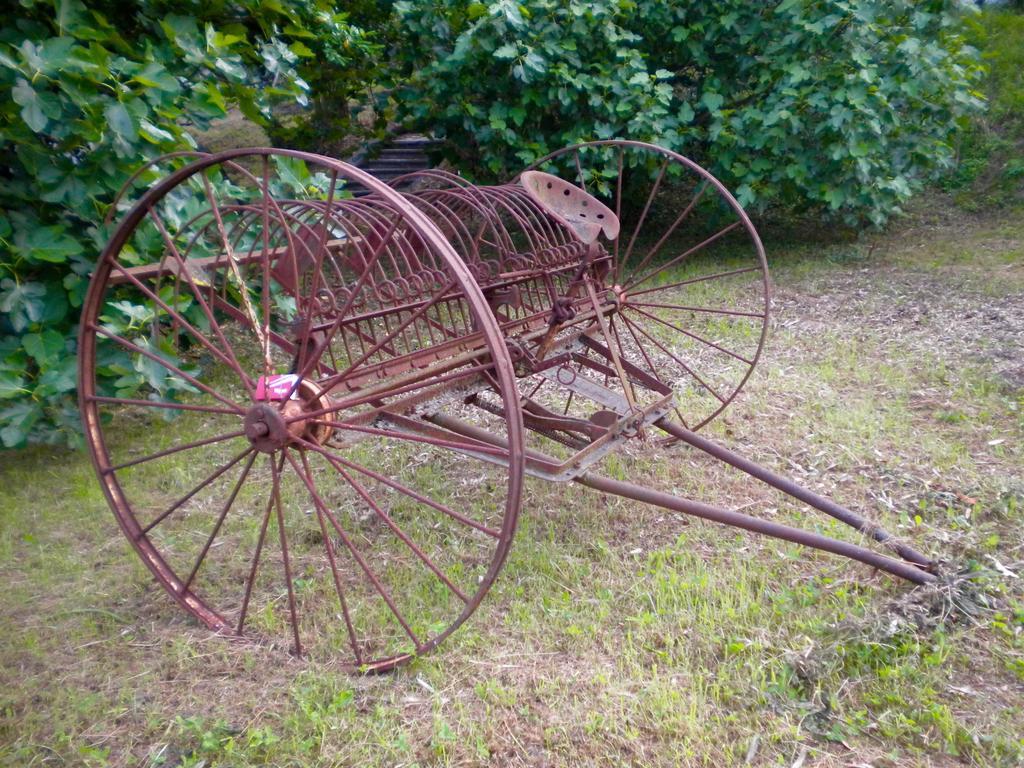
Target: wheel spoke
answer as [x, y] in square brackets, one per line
[166, 364]
[397, 530]
[220, 521]
[691, 281]
[265, 212]
[720, 233]
[381, 589]
[701, 339]
[176, 449]
[643, 216]
[256, 555]
[668, 233]
[177, 317]
[708, 310]
[618, 215]
[651, 368]
[231, 360]
[229, 254]
[682, 365]
[209, 479]
[400, 435]
[161, 404]
[286, 560]
[332, 560]
[404, 489]
[643, 352]
[579, 170]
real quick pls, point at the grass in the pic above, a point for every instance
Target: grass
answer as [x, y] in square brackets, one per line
[617, 633]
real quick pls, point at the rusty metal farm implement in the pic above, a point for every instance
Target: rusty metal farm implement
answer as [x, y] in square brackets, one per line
[362, 375]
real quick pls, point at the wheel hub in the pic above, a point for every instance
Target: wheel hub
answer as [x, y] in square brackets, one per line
[274, 423]
[266, 428]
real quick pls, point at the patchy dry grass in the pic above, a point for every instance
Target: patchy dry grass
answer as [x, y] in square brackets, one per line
[620, 634]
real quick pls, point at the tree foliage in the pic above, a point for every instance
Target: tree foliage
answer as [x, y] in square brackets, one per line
[91, 89]
[844, 106]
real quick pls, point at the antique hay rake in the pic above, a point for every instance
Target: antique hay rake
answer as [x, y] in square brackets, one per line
[362, 374]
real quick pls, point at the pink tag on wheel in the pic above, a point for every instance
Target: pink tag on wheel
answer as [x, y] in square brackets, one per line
[275, 388]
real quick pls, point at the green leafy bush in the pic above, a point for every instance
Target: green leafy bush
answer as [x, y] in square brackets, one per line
[348, 99]
[91, 90]
[989, 171]
[841, 106]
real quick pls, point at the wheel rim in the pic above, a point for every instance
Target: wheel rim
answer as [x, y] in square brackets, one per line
[303, 520]
[690, 275]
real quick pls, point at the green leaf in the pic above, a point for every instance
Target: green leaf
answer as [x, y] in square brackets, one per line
[59, 376]
[860, 149]
[18, 421]
[713, 101]
[36, 108]
[155, 75]
[45, 346]
[69, 14]
[154, 134]
[50, 244]
[120, 121]
[507, 51]
[11, 385]
[835, 197]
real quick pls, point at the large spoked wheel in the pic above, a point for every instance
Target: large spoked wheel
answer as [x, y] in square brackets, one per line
[688, 272]
[255, 333]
